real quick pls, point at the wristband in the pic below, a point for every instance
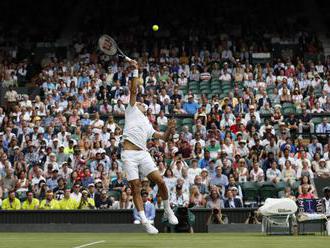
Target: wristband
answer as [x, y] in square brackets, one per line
[135, 73]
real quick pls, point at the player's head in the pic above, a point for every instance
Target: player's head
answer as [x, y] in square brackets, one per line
[142, 107]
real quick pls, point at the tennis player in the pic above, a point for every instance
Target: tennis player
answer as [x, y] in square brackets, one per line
[136, 158]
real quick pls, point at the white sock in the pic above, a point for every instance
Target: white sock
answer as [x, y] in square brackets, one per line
[166, 205]
[143, 216]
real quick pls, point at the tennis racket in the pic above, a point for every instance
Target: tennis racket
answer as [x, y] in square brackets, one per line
[110, 47]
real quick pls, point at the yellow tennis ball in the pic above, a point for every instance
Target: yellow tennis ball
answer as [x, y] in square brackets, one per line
[155, 28]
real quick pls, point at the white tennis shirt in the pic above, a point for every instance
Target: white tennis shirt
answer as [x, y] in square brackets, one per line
[137, 127]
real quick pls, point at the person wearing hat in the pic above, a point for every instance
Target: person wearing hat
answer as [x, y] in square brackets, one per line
[191, 107]
[86, 202]
[322, 168]
[91, 191]
[178, 198]
[213, 148]
[205, 177]
[242, 148]
[252, 112]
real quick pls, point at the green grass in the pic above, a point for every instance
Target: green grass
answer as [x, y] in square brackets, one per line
[231, 240]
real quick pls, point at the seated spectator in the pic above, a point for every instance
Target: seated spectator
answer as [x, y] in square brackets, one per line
[305, 194]
[288, 173]
[257, 174]
[30, 203]
[273, 174]
[49, 203]
[68, 202]
[86, 202]
[322, 169]
[149, 209]
[305, 180]
[201, 187]
[120, 183]
[76, 194]
[231, 201]
[288, 194]
[124, 202]
[11, 202]
[305, 170]
[103, 201]
[196, 199]
[179, 198]
[305, 121]
[219, 179]
[191, 106]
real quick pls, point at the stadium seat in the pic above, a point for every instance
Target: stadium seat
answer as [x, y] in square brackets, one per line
[267, 190]
[250, 193]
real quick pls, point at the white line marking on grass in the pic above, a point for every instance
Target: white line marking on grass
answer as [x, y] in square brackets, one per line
[89, 244]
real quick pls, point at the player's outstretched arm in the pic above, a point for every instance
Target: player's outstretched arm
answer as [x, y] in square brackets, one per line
[134, 82]
[169, 131]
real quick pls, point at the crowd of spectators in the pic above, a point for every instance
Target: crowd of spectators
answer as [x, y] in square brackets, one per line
[61, 149]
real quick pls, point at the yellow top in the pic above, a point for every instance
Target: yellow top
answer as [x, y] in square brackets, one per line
[14, 205]
[68, 204]
[68, 150]
[90, 204]
[30, 206]
[52, 205]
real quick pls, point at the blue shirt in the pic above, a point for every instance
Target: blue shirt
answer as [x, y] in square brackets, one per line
[222, 180]
[149, 210]
[203, 163]
[191, 107]
[52, 183]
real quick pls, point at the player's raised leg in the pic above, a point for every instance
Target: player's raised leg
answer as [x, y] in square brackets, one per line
[163, 192]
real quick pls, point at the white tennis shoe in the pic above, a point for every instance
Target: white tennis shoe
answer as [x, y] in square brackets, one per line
[172, 219]
[150, 228]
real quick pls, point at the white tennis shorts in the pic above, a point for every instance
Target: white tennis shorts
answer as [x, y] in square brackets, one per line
[137, 163]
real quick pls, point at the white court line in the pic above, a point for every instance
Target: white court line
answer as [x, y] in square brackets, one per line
[89, 244]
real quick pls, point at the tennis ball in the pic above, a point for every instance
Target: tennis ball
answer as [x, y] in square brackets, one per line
[155, 28]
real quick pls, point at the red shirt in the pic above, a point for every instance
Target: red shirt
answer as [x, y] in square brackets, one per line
[306, 196]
